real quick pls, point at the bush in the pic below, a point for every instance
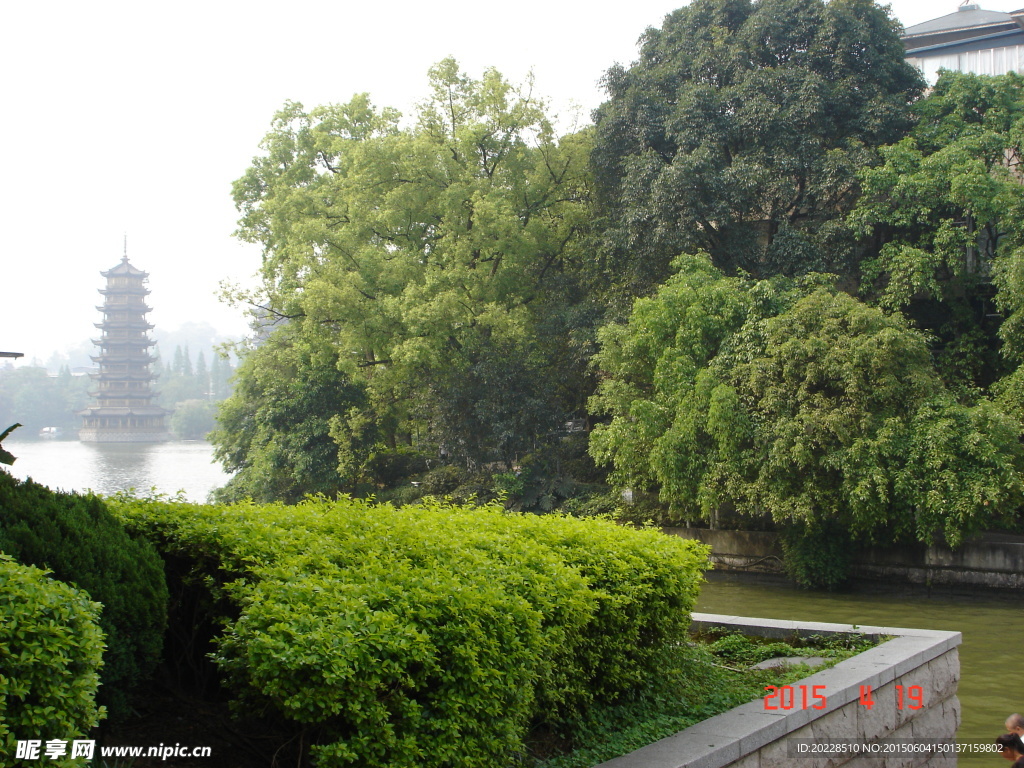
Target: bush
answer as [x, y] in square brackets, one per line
[430, 635]
[392, 467]
[443, 480]
[51, 649]
[817, 558]
[77, 538]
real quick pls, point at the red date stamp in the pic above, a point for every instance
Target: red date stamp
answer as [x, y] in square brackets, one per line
[786, 697]
[789, 696]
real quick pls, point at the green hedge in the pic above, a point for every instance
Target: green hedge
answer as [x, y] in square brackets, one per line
[77, 538]
[429, 635]
[51, 649]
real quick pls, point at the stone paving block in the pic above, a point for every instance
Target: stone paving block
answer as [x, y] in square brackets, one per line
[925, 678]
[951, 709]
[865, 761]
[750, 761]
[878, 720]
[903, 654]
[682, 750]
[776, 754]
[945, 672]
[840, 724]
[843, 681]
[931, 723]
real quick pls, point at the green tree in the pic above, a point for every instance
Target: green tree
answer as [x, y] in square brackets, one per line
[739, 132]
[193, 419]
[202, 377]
[278, 429]
[803, 404]
[441, 262]
[943, 212]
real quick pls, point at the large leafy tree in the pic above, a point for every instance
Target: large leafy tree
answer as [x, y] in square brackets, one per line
[800, 403]
[441, 261]
[277, 429]
[944, 212]
[739, 132]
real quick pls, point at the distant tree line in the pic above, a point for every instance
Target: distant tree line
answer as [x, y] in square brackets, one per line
[190, 392]
[773, 284]
[31, 396]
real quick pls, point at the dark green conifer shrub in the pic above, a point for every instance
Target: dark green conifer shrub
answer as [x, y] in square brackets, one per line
[51, 649]
[77, 538]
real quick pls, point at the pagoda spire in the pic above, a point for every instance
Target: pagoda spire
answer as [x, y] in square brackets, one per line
[123, 410]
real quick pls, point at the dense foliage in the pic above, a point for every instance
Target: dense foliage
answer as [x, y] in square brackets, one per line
[429, 635]
[277, 433]
[77, 538]
[437, 267]
[945, 209]
[807, 279]
[739, 132]
[802, 404]
[51, 650]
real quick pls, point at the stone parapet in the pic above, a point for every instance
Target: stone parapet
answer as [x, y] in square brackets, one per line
[751, 736]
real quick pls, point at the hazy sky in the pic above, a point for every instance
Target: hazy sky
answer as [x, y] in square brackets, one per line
[134, 118]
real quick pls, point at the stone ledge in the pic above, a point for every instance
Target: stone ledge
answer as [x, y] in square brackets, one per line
[735, 738]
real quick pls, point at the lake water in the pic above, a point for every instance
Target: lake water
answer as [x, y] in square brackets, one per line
[992, 624]
[106, 468]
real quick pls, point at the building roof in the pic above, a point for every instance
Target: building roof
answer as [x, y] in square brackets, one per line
[967, 17]
[1013, 36]
[124, 268]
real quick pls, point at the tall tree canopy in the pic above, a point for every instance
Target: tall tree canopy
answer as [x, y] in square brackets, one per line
[441, 261]
[800, 403]
[739, 132]
[945, 210]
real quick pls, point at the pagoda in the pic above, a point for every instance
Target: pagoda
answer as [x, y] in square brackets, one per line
[124, 411]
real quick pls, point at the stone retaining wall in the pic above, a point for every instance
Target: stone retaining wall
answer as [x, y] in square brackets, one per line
[987, 560]
[752, 737]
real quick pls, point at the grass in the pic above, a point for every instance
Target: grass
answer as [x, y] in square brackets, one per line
[699, 681]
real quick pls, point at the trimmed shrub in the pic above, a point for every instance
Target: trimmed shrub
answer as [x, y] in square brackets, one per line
[430, 635]
[51, 649]
[77, 538]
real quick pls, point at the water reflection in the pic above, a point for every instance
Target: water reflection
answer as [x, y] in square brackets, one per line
[106, 468]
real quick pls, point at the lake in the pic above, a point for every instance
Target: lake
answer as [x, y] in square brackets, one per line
[69, 465]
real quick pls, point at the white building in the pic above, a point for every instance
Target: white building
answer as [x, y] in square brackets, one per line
[969, 40]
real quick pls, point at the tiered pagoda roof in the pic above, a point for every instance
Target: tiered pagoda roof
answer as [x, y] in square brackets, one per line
[124, 410]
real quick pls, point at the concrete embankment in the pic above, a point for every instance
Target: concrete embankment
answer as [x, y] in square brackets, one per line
[987, 560]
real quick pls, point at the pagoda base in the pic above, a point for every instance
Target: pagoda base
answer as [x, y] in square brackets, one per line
[116, 436]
